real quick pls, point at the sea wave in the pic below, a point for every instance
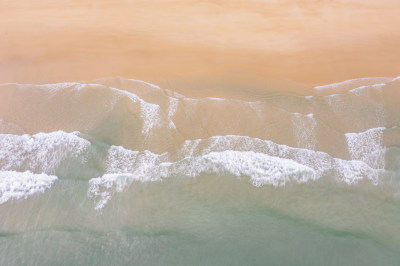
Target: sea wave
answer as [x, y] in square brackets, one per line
[140, 116]
[124, 130]
[111, 168]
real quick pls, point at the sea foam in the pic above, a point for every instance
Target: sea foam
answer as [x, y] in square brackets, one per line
[17, 185]
[42, 152]
[367, 146]
[304, 127]
[263, 162]
[116, 114]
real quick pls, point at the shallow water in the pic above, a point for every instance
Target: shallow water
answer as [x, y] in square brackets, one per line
[120, 171]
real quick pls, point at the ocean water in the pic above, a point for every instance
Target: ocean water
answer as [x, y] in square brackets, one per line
[122, 172]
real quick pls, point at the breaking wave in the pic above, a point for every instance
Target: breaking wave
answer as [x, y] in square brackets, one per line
[123, 130]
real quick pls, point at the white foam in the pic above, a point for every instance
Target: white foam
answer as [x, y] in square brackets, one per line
[188, 148]
[122, 168]
[146, 83]
[149, 112]
[172, 108]
[101, 188]
[215, 99]
[125, 166]
[347, 82]
[59, 86]
[320, 162]
[262, 169]
[140, 164]
[304, 130]
[263, 162]
[42, 152]
[17, 185]
[357, 91]
[367, 146]
[351, 172]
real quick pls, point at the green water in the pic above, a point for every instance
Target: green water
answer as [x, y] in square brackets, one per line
[210, 220]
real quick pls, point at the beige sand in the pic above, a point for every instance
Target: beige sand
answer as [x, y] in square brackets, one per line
[309, 41]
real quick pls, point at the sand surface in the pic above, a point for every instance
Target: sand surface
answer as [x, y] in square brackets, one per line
[309, 41]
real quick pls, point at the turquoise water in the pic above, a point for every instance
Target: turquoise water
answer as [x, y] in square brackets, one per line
[208, 221]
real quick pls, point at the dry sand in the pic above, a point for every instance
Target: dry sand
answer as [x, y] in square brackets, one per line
[162, 41]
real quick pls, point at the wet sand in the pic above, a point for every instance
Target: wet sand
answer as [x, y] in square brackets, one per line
[164, 42]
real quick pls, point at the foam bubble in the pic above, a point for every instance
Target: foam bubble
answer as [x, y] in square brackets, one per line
[358, 91]
[304, 130]
[351, 172]
[262, 169]
[101, 188]
[149, 112]
[140, 164]
[17, 185]
[172, 108]
[351, 82]
[42, 152]
[263, 162]
[367, 146]
[125, 167]
[146, 83]
[122, 168]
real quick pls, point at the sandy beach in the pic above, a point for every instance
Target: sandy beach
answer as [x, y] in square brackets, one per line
[307, 41]
[216, 132]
